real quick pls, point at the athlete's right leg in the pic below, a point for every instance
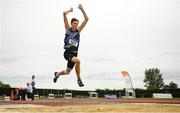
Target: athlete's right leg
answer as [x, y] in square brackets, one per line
[77, 69]
[77, 66]
[64, 72]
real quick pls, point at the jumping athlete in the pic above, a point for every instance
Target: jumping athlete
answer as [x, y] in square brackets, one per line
[71, 45]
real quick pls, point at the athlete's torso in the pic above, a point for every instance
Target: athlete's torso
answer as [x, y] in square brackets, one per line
[71, 40]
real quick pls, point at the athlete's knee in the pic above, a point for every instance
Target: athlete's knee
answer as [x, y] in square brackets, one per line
[67, 71]
[77, 62]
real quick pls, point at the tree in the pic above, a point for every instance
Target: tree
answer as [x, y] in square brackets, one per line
[173, 85]
[2, 85]
[153, 79]
[166, 87]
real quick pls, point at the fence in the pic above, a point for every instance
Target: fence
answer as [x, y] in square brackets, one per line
[59, 93]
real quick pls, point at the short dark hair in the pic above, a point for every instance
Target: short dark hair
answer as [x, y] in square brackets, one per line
[74, 19]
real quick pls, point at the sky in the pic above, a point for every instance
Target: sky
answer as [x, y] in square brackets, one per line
[121, 35]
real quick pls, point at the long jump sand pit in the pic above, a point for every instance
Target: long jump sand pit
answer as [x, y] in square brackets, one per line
[93, 105]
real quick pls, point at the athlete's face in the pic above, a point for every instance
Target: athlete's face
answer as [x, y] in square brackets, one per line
[74, 25]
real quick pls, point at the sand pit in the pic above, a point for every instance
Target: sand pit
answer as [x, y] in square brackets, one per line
[93, 108]
[92, 105]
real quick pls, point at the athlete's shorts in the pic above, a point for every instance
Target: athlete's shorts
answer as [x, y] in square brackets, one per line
[68, 55]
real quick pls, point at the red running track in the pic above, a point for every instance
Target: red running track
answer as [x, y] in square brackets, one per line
[88, 101]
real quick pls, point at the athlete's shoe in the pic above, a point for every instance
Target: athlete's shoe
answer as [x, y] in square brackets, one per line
[55, 77]
[80, 83]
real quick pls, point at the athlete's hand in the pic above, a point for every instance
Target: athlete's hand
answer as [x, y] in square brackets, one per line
[80, 6]
[68, 11]
[71, 9]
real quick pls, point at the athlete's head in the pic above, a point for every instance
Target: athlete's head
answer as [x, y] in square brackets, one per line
[74, 23]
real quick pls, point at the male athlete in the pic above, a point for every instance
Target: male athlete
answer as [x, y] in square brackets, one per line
[71, 45]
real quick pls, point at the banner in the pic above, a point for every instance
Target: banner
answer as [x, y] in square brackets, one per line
[127, 80]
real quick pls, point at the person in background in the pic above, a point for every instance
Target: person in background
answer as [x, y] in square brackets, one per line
[17, 95]
[30, 91]
[33, 85]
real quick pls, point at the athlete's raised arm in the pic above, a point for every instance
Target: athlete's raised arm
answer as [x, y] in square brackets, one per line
[85, 18]
[66, 24]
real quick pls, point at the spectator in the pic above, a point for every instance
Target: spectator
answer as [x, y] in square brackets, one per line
[33, 86]
[30, 91]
